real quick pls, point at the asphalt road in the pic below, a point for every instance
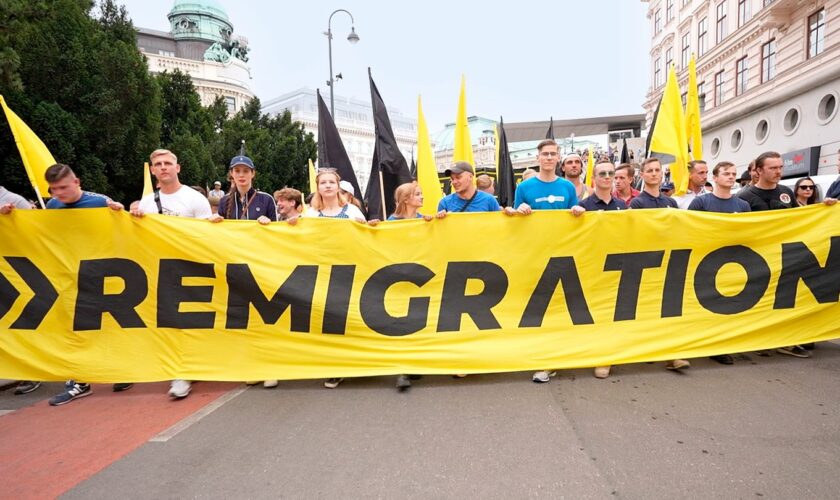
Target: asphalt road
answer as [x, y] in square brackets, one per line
[763, 428]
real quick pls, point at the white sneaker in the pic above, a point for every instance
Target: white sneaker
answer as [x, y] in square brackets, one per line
[543, 376]
[333, 383]
[270, 384]
[179, 389]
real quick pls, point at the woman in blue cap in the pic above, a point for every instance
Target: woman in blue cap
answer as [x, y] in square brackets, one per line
[246, 203]
[243, 201]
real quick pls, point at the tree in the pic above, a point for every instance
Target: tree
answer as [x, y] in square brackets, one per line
[279, 147]
[84, 89]
[186, 127]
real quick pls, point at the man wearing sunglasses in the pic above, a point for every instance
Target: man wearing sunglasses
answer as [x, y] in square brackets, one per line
[602, 198]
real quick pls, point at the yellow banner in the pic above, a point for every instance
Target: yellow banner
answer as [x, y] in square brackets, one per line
[99, 296]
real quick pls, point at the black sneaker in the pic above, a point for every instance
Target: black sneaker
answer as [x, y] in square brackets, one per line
[724, 359]
[26, 387]
[123, 386]
[810, 346]
[403, 383]
[72, 391]
[794, 350]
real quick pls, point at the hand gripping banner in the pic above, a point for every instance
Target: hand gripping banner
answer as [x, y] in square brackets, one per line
[100, 296]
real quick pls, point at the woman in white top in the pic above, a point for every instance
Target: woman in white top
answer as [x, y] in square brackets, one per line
[329, 201]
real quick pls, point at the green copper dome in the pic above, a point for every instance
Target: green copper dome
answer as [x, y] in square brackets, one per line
[204, 20]
[208, 7]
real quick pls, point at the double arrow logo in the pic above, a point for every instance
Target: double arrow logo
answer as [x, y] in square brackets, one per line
[38, 307]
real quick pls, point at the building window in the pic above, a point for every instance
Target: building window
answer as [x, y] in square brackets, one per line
[701, 95]
[657, 73]
[743, 12]
[684, 98]
[720, 31]
[230, 102]
[657, 21]
[741, 76]
[167, 53]
[719, 88]
[702, 35]
[686, 50]
[669, 58]
[768, 61]
[669, 10]
[816, 33]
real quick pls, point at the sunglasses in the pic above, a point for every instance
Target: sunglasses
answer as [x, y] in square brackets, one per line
[606, 173]
[807, 187]
[328, 170]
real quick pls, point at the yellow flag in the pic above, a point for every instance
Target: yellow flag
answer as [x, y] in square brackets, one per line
[147, 180]
[313, 185]
[667, 140]
[35, 155]
[463, 143]
[692, 114]
[427, 176]
[590, 167]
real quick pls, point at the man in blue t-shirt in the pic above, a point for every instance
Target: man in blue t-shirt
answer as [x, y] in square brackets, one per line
[545, 191]
[66, 192]
[466, 197]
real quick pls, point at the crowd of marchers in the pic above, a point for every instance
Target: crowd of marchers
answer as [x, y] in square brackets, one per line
[558, 184]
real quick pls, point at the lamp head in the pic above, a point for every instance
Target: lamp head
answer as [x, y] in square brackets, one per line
[353, 37]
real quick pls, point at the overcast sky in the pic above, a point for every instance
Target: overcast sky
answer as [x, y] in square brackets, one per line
[524, 60]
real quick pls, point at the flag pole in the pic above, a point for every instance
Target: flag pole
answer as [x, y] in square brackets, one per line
[382, 192]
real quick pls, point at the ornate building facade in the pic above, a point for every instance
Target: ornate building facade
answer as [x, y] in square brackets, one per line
[201, 44]
[354, 120]
[768, 74]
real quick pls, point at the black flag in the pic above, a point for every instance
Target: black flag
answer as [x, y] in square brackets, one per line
[331, 152]
[504, 184]
[413, 169]
[550, 133]
[625, 156]
[387, 160]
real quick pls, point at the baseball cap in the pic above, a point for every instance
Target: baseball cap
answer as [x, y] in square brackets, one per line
[217, 183]
[459, 167]
[667, 186]
[241, 160]
[346, 186]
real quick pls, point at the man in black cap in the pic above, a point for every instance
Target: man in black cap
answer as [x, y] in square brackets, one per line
[466, 197]
[243, 201]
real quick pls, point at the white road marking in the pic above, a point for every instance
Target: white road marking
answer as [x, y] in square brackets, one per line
[195, 417]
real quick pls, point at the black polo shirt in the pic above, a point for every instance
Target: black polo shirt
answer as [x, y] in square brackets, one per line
[645, 200]
[592, 203]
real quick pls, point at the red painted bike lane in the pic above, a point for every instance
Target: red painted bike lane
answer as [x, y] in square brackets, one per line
[45, 451]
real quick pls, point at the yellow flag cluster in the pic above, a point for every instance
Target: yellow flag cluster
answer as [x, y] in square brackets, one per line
[676, 136]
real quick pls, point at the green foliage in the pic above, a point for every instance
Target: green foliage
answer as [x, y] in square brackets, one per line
[279, 147]
[86, 91]
[81, 84]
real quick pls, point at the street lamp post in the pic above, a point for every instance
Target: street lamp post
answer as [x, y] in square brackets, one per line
[572, 137]
[352, 38]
